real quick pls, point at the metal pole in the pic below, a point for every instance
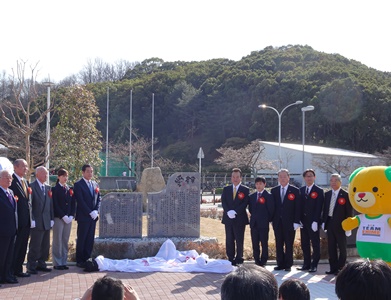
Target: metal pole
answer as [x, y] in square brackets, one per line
[303, 137]
[153, 113]
[130, 133]
[48, 131]
[107, 134]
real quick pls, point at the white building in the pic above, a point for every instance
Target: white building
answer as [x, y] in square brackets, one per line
[323, 160]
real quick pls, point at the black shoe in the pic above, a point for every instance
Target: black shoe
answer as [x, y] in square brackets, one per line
[65, 267]
[303, 268]
[278, 268]
[287, 269]
[59, 267]
[21, 274]
[83, 265]
[313, 270]
[11, 280]
[44, 269]
[332, 272]
[32, 272]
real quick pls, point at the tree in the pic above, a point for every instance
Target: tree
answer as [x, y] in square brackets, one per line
[76, 140]
[22, 112]
[247, 157]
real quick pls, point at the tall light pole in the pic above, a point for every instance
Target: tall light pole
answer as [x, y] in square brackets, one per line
[153, 121]
[107, 133]
[130, 132]
[48, 84]
[304, 109]
[279, 114]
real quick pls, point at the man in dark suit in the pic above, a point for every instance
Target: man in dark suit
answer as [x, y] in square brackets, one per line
[337, 208]
[234, 200]
[86, 193]
[20, 187]
[261, 207]
[312, 199]
[8, 227]
[286, 219]
[42, 220]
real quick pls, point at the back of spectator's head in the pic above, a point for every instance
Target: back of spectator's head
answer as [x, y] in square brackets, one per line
[293, 289]
[107, 288]
[250, 282]
[364, 280]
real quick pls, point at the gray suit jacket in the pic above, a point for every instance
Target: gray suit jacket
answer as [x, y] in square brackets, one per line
[42, 206]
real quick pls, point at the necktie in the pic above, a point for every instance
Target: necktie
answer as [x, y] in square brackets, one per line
[24, 186]
[43, 189]
[10, 198]
[259, 195]
[234, 192]
[308, 191]
[332, 203]
[91, 188]
[282, 194]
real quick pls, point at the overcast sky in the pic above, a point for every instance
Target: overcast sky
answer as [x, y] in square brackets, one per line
[63, 35]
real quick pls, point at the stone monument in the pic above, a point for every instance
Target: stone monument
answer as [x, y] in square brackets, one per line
[175, 211]
[151, 181]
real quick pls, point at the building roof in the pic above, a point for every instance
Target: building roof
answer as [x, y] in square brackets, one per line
[322, 150]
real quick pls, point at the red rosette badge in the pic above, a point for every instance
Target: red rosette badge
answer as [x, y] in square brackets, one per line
[291, 196]
[16, 198]
[30, 190]
[97, 190]
[341, 201]
[241, 196]
[261, 200]
[50, 194]
[314, 195]
[71, 192]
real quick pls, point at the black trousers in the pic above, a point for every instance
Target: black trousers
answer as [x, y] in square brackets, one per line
[260, 235]
[308, 238]
[85, 240]
[285, 236]
[20, 249]
[234, 234]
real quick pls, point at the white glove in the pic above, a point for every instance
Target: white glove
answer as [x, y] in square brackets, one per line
[65, 219]
[51, 223]
[323, 226]
[32, 224]
[94, 214]
[296, 226]
[70, 219]
[231, 214]
[314, 226]
[348, 233]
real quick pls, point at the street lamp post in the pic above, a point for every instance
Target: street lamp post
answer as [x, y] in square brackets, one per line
[304, 109]
[48, 84]
[279, 114]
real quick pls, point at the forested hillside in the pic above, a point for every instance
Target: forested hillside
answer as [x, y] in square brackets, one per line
[211, 103]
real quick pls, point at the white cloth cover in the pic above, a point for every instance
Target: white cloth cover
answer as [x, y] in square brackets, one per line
[168, 259]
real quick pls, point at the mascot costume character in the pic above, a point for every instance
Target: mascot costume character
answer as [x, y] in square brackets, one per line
[370, 194]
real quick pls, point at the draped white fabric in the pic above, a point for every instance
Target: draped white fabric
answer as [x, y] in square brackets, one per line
[168, 259]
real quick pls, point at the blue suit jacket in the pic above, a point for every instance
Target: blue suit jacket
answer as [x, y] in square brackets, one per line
[8, 215]
[85, 202]
[239, 204]
[261, 209]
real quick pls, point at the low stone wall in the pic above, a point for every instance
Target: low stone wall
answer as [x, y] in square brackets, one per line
[116, 248]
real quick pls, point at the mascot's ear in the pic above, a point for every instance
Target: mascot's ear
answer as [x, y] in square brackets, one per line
[355, 172]
[387, 172]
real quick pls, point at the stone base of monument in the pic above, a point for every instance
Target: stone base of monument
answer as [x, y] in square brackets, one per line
[133, 248]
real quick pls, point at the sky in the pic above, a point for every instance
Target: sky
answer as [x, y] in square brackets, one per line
[59, 37]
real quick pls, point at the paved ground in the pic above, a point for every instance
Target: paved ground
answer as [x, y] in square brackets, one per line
[72, 283]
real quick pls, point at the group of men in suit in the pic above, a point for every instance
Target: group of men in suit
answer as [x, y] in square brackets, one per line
[287, 208]
[26, 212]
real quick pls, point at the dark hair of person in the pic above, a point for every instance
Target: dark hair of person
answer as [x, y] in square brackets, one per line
[84, 167]
[107, 288]
[294, 289]
[249, 282]
[260, 179]
[364, 280]
[61, 172]
[309, 171]
[237, 170]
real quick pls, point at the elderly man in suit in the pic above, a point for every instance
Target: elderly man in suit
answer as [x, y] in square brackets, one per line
[20, 187]
[86, 193]
[234, 200]
[312, 199]
[337, 208]
[286, 219]
[261, 207]
[8, 227]
[42, 220]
